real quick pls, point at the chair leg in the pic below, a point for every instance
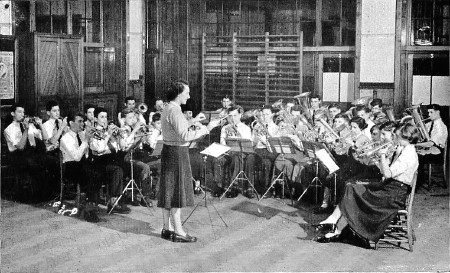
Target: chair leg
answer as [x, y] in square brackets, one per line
[429, 176]
[410, 234]
[78, 198]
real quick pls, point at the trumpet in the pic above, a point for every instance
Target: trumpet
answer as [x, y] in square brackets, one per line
[142, 108]
[377, 146]
[32, 120]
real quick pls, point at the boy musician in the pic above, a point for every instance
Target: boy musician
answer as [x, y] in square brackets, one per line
[315, 102]
[264, 129]
[365, 113]
[378, 116]
[74, 146]
[432, 150]
[130, 103]
[237, 129]
[27, 150]
[226, 104]
[155, 133]
[333, 109]
[158, 109]
[53, 128]
[104, 148]
[89, 114]
[129, 138]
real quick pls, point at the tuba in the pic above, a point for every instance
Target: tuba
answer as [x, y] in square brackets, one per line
[303, 99]
[419, 121]
[390, 114]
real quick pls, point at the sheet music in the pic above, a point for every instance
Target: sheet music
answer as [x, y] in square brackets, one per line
[215, 150]
[326, 160]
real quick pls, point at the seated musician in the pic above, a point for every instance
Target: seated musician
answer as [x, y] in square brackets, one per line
[106, 161]
[130, 103]
[432, 150]
[74, 146]
[233, 130]
[365, 113]
[89, 114]
[155, 133]
[288, 161]
[378, 116]
[349, 166]
[226, 104]
[158, 109]
[53, 128]
[375, 132]
[367, 210]
[132, 134]
[27, 151]
[315, 102]
[265, 128]
[334, 109]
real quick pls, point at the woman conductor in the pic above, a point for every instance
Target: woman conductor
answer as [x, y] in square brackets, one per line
[176, 189]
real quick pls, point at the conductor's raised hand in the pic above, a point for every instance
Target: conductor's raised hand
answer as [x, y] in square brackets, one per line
[212, 124]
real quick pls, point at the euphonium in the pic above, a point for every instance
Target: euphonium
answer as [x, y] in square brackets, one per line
[390, 114]
[303, 99]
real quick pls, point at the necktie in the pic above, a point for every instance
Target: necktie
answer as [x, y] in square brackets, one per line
[431, 128]
[22, 128]
[79, 140]
[57, 124]
[314, 115]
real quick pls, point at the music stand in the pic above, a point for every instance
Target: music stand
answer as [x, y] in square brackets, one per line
[309, 149]
[241, 146]
[214, 150]
[131, 185]
[282, 146]
[157, 154]
[320, 153]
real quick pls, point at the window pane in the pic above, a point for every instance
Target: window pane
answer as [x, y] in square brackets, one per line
[348, 65]
[307, 13]
[43, 21]
[331, 21]
[330, 65]
[430, 22]
[440, 63]
[421, 66]
[93, 67]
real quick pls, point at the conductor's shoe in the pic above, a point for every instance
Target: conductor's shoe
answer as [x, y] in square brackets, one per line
[183, 239]
[166, 234]
[120, 209]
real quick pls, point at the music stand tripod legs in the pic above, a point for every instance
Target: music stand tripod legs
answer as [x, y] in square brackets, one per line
[281, 178]
[205, 198]
[131, 185]
[315, 182]
[238, 178]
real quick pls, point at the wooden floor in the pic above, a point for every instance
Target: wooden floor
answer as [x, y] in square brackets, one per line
[260, 236]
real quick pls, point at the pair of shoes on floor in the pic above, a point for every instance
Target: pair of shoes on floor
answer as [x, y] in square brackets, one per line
[323, 210]
[166, 234]
[329, 239]
[183, 239]
[150, 203]
[325, 228]
[120, 209]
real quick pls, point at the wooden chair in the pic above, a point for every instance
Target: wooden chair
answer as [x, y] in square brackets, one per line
[401, 228]
[444, 169]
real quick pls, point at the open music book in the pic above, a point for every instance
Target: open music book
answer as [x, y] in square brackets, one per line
[327, 160]
[215, 150]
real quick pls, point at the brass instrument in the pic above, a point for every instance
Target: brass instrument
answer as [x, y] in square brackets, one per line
[260, 129]
[303, 99]
[419, 121]
[328, 128]
[142, 108]
[364, 101]
[96, 133]
[31, 120]
[390, 114]
[374, 154]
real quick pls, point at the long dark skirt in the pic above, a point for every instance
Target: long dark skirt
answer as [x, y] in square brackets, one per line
[175, 189]
[369, 209]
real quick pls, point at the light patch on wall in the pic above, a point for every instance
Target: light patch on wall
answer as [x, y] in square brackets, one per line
[421, 90]
[441, 90]
[5, 18]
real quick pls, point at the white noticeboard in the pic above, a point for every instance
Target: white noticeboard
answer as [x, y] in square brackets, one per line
[6, 75]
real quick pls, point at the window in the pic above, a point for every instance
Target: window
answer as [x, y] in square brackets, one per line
[284, 17]
[86, 20]
[51, 17]
[430, 22]
[338, 78]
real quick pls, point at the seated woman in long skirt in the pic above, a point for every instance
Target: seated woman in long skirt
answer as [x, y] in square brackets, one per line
[368, 209]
